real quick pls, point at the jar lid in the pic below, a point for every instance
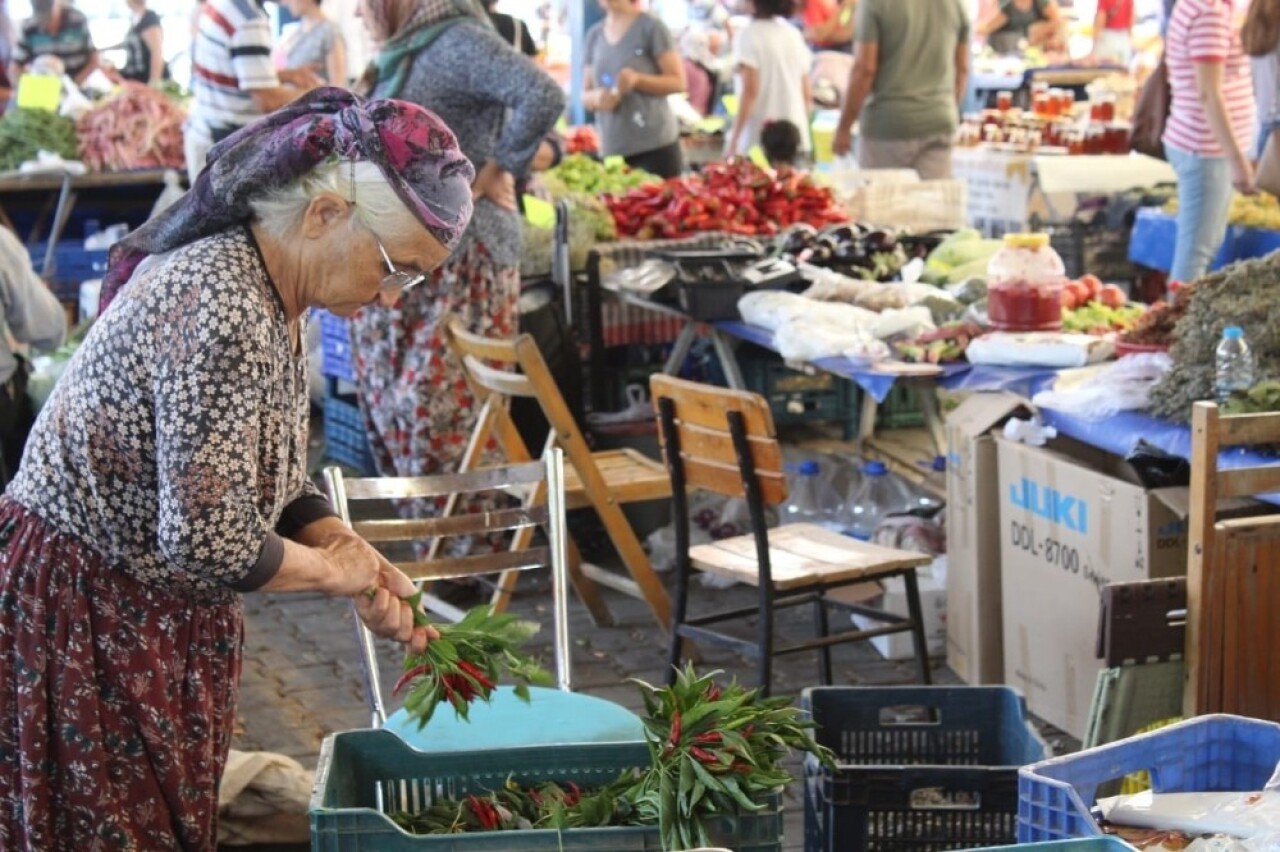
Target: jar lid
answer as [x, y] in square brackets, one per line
[1026, 241]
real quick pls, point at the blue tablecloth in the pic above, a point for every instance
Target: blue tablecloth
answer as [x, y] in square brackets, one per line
[1155, 232]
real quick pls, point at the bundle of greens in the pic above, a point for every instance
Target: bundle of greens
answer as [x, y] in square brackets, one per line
[1242, 294]
[23, 132]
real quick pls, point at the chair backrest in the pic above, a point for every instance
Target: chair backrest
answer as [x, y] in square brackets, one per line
[538, 489]
[700, 420]
[1233, 603]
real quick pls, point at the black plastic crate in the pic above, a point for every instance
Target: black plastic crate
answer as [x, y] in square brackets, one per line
[920, 769]
[797, 396]
[709, 289]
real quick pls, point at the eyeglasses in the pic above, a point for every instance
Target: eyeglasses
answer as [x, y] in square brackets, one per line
[398, 279]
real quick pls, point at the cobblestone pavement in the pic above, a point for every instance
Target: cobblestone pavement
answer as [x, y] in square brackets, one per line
[302, 678]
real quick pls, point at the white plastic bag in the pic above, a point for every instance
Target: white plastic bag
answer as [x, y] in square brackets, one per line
[1242, 814]
[1039, 349]
[1124, 385]
[771, 308]
[800, 340]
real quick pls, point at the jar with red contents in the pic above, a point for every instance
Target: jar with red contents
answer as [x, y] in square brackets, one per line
[1025, 279]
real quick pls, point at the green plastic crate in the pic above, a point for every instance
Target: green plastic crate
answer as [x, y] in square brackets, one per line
[901, 408]
[795, 396]
[357, 766]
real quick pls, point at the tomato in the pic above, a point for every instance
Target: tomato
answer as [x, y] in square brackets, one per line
[1093, 283]
[1112, 296]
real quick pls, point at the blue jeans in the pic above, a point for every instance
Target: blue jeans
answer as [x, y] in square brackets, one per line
[1204, 204]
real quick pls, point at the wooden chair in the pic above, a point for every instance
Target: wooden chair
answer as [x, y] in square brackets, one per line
[498, 370]
[1233, 574]
[553, 715]
[724, 441]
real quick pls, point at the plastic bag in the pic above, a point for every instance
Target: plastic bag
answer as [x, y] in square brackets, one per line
[1039, 349]
[908, 322]
[647, 278]
[1244, 814]
[1124, 385]
[807, 341]
[772, 308]
[1157, 469]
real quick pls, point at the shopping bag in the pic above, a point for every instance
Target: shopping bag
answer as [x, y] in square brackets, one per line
[1267, 177]
[1150, 113]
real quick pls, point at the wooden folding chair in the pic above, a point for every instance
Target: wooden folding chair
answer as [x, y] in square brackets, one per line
[1233, 574]
[723, 441]
[498, 370]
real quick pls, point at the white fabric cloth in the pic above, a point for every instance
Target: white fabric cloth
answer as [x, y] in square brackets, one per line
[263, 798]
[776, 50]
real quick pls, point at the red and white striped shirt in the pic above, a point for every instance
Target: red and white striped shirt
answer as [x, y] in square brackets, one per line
[1204, 31]
[231, 56]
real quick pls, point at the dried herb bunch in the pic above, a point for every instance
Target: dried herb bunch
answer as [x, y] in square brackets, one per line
[1244, 294]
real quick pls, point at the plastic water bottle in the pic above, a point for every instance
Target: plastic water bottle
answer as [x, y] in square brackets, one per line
[811, 499]
[925, 498]
[1234, 362]
[876, 497]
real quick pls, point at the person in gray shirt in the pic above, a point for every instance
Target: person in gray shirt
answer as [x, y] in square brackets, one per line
[32, 315]
[632, 66]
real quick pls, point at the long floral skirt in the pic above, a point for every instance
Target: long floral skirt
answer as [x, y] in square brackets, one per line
[418, 410]
[117, 700]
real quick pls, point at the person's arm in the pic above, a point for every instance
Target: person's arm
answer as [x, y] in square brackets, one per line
[153, 37]
[89, 67]
[1099, 24]
[963, 56]
[994, 22]
[336, 61]
[251, 59]
[866, 63]
[670, 77]
[746, 106]
[31, 310]
[1209, 89]
[527, 45]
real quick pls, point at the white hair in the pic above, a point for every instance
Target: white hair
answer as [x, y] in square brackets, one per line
[377, 207]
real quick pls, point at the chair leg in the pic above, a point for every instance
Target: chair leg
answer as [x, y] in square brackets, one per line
[679, 611]
[917, 625]
[765, 633]
[822, 629]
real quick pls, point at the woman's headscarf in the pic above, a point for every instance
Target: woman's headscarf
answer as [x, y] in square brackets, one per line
[413, 148]
[408, 27]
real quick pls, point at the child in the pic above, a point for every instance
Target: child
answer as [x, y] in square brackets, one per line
[781, 143]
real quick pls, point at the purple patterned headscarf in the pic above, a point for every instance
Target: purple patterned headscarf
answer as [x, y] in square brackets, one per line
[413, 148]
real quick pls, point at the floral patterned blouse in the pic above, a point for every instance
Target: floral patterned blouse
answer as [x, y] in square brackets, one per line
[175, 443]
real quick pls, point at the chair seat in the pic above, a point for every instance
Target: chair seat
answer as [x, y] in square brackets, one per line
[551, 717]
[630, 476]
[801, 556]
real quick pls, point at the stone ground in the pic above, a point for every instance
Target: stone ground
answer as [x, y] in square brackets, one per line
[302, 680]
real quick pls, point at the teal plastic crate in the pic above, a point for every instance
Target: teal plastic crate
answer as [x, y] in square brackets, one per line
[901, 408]
[964, 744]
[1208, 754]
[358, 767]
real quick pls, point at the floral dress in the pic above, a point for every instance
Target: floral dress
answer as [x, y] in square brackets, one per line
[158, 482]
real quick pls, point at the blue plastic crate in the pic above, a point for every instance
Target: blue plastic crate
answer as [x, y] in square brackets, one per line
[345, 438]
[893, 742]
[356, 768]
[1088, 844]
[338, 360]
[72, 264]
[1208, 754]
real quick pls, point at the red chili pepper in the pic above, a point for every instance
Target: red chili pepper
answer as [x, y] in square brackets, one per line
[410, 675]
[703, 755]
[474, 671]
[574, 795]
[675, 728]
[709, 738]
[713, 692]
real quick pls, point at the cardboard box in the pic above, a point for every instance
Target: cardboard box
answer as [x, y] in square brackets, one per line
[1071, 521]
[974, 627]
[893, 598]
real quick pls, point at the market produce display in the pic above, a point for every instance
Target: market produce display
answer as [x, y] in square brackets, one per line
[578, 173]
[24, 132]
[851, 249]
[714, 750]
[940, 346]
[1091, 307]
[737, 197]
[1156, 327]
[137, 128]
[1242, 294]
[960, 257]
[1251, 211]
[582, 140]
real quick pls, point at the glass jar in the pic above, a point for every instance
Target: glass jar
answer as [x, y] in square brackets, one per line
[1025, 279]
[1004, 101]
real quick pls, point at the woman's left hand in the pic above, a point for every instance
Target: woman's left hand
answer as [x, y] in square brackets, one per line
[386, 613]
[626, 82]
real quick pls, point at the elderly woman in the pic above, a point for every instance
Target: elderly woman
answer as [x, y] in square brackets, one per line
[166, 474]
[445, 56]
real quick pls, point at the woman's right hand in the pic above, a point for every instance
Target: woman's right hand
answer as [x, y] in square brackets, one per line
[1242, 176]
[606, 100]
[378, 588]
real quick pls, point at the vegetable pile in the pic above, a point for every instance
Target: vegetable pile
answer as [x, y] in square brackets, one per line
[714, 750]
[138, 128]
[578, 173]
[941, 346]
[1156, 326]
[582, 140]
[1091, 307]
[853, 250]
[737, 197]
[961, 256]
[465, 663]
[23, 132]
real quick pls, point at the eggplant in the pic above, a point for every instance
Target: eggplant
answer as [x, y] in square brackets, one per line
[878, 241]
[849, 251]
[840, 233]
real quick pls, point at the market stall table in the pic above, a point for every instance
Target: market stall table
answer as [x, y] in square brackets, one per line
[1011, 75]
[1155, 233]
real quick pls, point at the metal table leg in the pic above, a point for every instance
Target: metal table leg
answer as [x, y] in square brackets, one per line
[66, 201]
[680, 351]
[728, 360]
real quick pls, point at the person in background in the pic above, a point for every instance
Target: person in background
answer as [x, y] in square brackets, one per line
[316, 43]
[1210, 127]
[772, 63]
[55, 29]
[144, 46]
[512, 29]
[1113, 32]
[910, 73]
[166, 475]
[233, 79]
[836, 31]
[1260, 38]
[632, 66]
[6, 55]
[32, 315]
[446, 57]
[781, 141]
[1037, 22]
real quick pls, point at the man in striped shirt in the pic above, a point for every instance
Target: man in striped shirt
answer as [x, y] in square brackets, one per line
[233, 78]
[54, 29]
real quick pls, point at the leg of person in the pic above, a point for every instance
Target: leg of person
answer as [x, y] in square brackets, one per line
[118, 703]
[887, 153]
[1204, 203]
[665, 162]
[196, 143]
[933, 158]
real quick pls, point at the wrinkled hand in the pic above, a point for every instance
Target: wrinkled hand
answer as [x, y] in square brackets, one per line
[384, 611]
[627, 79]
[497, 185]
[842, 143]
[1242, 178]
[301, 78]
